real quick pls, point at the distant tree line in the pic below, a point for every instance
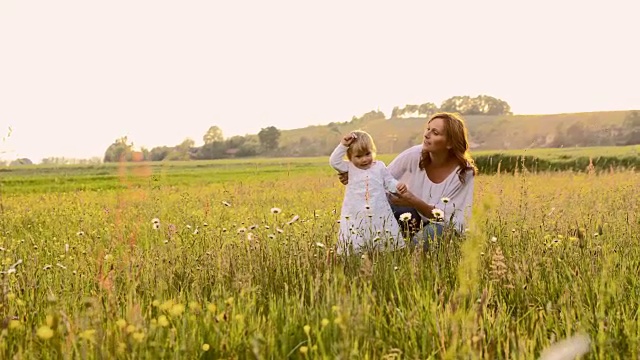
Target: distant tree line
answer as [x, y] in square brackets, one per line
[215, 147]
[465, 105]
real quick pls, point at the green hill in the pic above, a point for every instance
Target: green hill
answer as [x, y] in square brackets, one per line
[505, 132]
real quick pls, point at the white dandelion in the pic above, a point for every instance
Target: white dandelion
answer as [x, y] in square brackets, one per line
[293, 219]
[405, 217]
[570, 348]
[445, 200]
[225, 203]
[276, 210]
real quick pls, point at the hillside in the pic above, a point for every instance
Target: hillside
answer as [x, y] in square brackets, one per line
[485, 132]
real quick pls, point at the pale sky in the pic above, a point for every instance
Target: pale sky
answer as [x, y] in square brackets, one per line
[76, 75]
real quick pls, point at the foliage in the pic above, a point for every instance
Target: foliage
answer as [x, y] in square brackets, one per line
[168, 266]
[269, 138]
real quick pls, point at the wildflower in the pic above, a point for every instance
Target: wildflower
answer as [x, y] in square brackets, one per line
[14, 324]
[570, 348]
[276, 210]
[80, 233]
[139, 336]
[279, 230]
[242, 230]
[307, 329]
[155, 226]
[253, 227]
[267, 227]
[250, 236]
[44, 332]
[194, 306]
[304, 349]
[205, 347]
[294, 219]
[324, 322]
[155, 221]
[163, 321]
[494, 239]
[176, 310]
[47, 267]
[205, 224]
[271, 236]
[437, 213]
[211, 308]
[121, 323]
[225, 203]
[89, 335]
[445, 200]
[405, 217]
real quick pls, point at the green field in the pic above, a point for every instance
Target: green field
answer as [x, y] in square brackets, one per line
[85, 274]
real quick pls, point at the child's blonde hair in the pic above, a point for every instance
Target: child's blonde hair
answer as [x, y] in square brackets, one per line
[362, 144]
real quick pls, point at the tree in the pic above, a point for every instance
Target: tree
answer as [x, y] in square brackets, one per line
[479, 105]
[21, 161]
[120, 150]
[212, 135]
[631, 126]
[269, 137]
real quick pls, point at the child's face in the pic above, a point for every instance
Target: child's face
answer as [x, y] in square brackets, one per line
[362, 160]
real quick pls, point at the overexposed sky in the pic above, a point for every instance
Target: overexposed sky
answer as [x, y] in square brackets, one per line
[76, 75]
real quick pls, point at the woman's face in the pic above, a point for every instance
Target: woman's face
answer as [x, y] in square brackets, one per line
[435, 137]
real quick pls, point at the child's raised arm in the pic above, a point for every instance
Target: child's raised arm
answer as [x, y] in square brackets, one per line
[336, 160]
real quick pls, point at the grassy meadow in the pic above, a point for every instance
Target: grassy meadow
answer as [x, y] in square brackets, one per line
[188, 261]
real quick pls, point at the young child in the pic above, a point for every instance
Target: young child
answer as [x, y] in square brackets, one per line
[366, 220]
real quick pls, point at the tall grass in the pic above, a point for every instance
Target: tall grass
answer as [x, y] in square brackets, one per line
[87, 274]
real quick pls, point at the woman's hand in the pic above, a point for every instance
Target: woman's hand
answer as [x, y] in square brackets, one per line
[402, 199]
[344, 178]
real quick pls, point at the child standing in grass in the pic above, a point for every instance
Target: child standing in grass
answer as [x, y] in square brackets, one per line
[366, 219]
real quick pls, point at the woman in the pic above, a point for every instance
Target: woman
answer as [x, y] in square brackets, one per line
[439, 175]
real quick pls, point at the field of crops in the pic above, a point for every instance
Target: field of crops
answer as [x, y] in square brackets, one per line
[189, 261]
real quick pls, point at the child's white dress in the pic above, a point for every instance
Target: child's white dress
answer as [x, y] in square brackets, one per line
[366, 219]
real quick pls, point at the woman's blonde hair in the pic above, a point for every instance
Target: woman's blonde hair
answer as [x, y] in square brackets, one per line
[458, 138]
[362, 144]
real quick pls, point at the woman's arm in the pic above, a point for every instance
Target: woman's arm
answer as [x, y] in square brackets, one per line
[408, 199]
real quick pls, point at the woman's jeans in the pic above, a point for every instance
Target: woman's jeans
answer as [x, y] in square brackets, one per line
[430, 231]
